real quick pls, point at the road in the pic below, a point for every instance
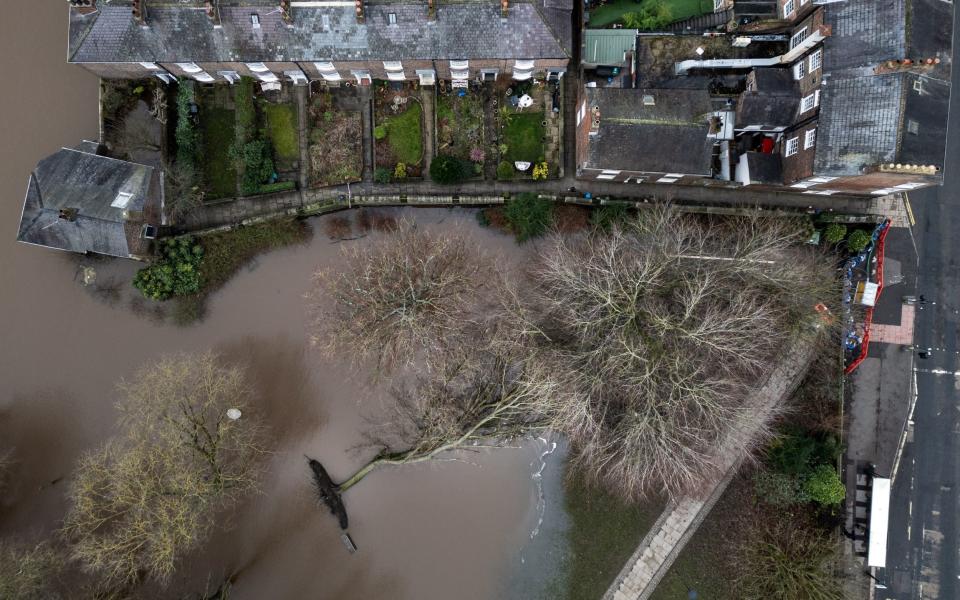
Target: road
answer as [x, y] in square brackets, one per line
[922, 559]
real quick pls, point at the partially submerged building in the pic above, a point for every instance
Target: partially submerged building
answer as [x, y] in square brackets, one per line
[843, 97]
[80, 201]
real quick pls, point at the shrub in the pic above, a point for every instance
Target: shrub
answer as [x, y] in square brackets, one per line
[280, 186]
[328, 116]
[858, 240]
[528, 216]
[400, 171]
[824, 486]
[608, 215]
[653, 15]
[256, 159]
[570, 218]
[380, 132]
[779, 489]
[188, 141]
[246, 111]
[382, 175]
[175, 273]
[449, 169]
[834, 233]
[504, 170]
[477, 154]
[541, 170]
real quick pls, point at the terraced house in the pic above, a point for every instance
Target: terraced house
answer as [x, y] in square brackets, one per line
[335, 41]
[844, 97]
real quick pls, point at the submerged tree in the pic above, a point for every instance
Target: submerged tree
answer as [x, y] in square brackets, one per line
[647, 342]
[29, 572]
[184, 453]
[398, 300]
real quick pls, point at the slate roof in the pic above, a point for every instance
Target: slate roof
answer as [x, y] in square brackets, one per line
[863, 114]
[768, 110]
[669, 137]
[538, 29]
[73, 179]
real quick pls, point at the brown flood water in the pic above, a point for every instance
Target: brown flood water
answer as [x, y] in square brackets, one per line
[444, 530]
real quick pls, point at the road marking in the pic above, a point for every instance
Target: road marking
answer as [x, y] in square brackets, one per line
[906, 202]
[938, 372]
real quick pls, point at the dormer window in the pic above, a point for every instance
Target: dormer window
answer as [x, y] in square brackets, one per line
[391, 18]
[393, 65]
[190, 67]
[257, 67]
[798, 38]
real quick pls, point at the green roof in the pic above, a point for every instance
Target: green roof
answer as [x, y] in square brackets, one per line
[607, 46]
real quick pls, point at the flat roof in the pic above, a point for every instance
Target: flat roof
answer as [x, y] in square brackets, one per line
[607, 46]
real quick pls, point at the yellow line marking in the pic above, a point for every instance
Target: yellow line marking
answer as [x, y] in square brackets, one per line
[906, 202]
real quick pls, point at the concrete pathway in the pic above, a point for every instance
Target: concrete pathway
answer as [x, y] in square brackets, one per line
[680, 520]
[366, 126]
[303, 129]
[428, 96]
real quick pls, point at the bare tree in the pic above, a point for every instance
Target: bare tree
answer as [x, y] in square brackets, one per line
[400, 299]
[646, 343]
[184, 194]
[184, 453]
[29, 572]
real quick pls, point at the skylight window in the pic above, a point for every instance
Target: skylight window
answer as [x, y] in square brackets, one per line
[122, 200]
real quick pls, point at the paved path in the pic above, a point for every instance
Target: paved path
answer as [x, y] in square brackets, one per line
[303, 128]
[895, 334]
[366, 125]
[428, 98]
[678, 522]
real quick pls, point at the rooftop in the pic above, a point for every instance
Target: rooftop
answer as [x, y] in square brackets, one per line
[607, 46]
[79, 201]
[869, 117]
[537, 29]
[668, 136]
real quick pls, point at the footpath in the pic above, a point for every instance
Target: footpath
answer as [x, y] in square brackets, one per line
[680, 520]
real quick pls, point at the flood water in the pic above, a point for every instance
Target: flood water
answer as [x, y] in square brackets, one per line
[442, 530]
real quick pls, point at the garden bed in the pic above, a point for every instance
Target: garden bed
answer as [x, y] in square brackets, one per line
[218, 125]
[398, 132]
[611, 13]
[281, 129]
[336, 141]
[460, 127]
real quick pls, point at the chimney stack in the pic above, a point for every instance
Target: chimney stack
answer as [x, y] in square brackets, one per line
[84, 7]
[213, 12]
[139, 12]
[431, 10]
[504, 8]
[358, 4]
[285, 12]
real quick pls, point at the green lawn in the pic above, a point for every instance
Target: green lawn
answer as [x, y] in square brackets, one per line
[604, 532]
[403, 133]
[523, 137]
[282, 129]
[220, 175]
[612, 12]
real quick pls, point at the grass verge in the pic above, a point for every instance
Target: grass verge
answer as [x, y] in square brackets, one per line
[225, 253]
[282, 129]
[612, 12]
[403, 133]
[523, 137]
[604, 532]
[218, 135]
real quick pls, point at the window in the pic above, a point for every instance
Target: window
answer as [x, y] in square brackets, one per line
[325, 22]
[799, 70]
[427, 76]
[459, 65]
[230, 76]
[606, 176]
[809, 139]
[255, 21]
[810, 102]
[798, 38]
[393, 65]
[804, 2]
[122, 200]
[668, 179]
[793, 144]
[610, 172]
[396, 75]
[391, 18]
[257, 67]
[150, 65]
[203, 77]
[816, 60]
[913, 127]
[189, 67]
[362, 75]
[489, 75]
[788, 8]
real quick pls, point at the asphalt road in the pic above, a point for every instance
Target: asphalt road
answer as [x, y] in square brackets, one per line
[922, 550]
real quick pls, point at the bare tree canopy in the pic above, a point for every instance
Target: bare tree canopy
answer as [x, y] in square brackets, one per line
[646, 342]
[29, 572]
[399, 299]
[152, 493]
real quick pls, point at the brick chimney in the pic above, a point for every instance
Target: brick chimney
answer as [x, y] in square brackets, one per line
[139, 11]
[431, 10]
[358, 4]
[504, 8]
[285, 12]
[84, 7]
[212, 8]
